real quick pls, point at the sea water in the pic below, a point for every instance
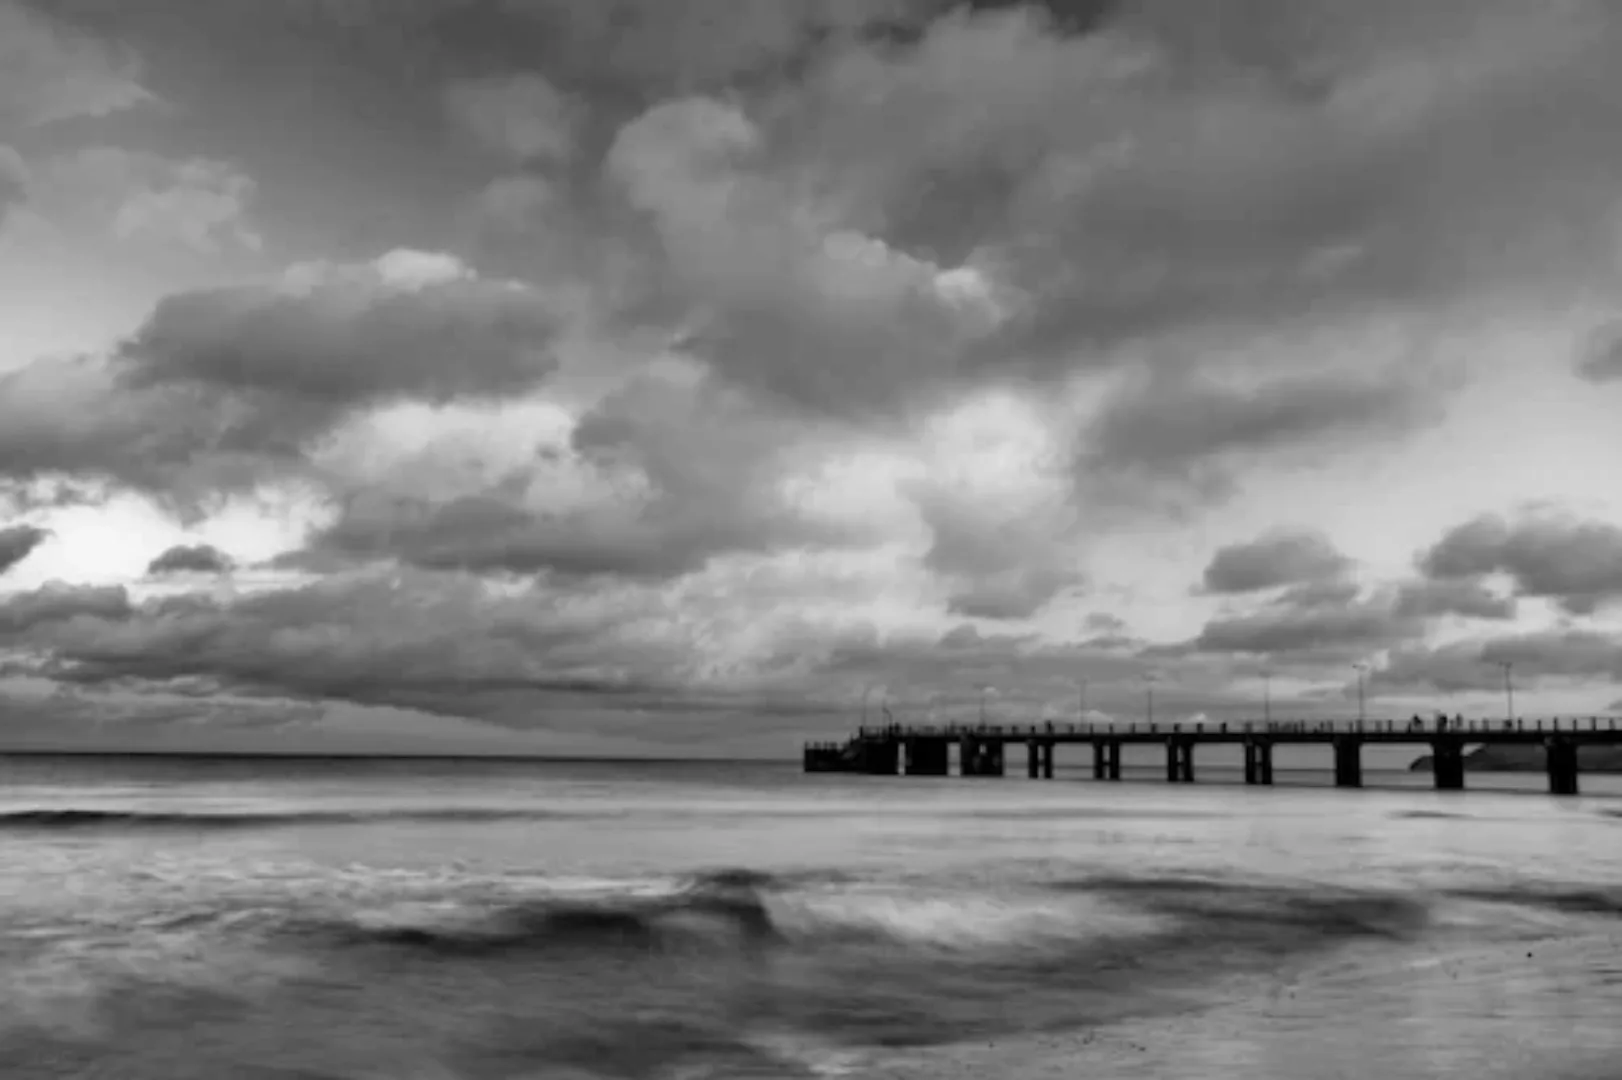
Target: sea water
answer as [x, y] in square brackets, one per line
[175, 919]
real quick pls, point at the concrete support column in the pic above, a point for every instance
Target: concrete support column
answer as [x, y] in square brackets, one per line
[1179, 761]
[1047, 760]
[1561, 755]
[881, 757]
[1033, 759]
[1258, 762]
[982, 757]
[928, 757]
[1348, 761]
[1447, 762]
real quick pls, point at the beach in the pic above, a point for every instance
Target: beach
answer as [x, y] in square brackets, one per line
[342, 919]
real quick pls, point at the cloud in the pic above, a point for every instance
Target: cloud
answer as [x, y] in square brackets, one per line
[1600, 360]
[140, 196]
[14, 180]
[50, 72]
[1464, 597]
[1475, 664]
[17, 542]
[55, 605]
[1576, 563]
[793, 305]
[1312, 624]
[1275, 559]
[661, 475]
[190, 559]
[1195, 432]
[520, 115]
[222, 388]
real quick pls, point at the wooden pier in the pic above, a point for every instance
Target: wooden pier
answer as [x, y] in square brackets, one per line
[982, 750]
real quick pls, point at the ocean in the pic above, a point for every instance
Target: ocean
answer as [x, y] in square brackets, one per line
[321, 919]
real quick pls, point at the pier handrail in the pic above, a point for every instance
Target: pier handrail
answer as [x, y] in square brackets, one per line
[1415, 726]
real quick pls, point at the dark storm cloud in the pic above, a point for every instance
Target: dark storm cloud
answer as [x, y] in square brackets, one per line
[190, 559]
[1600, 358]
[17, 542]
[1278, 558]
[1576, 563]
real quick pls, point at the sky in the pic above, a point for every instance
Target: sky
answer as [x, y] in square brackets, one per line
[682, 377]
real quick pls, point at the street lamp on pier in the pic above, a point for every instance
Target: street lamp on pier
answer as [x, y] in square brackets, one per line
[1509, 688]
[1362, 705]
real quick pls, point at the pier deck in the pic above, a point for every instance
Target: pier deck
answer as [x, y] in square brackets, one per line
[981, 750]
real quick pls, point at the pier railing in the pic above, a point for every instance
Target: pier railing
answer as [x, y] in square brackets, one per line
[1416, 726]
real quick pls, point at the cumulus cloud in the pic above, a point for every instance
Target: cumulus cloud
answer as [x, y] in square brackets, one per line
[141, 196]
[1331, 623]
[1275, 559]
[520, 115]
[661, 475]
[1464, 597]
[793, 303]
[1475, 664]
[1576, 563]
[51, 72]
[17, 542]
[220, 388]
[52, 606]
[190, 559]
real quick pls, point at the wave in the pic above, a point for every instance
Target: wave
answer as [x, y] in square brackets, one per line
[717, 909]
[45, 818]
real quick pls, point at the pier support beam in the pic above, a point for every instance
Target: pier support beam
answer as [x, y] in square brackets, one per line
[1039, 759]
[1447, 763]
[1348, 761]
[1106, 759]
[1179, 761]
[1561, 755]
[982, 757]
[881, 757]
[1258, 762]
[928, 757]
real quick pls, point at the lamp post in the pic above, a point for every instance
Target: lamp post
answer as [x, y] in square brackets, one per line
[1149, 698]
[1362, 709]
[1267, 696]
[1081, 700]
[1509, 688]
[867, 692]
[983, 691]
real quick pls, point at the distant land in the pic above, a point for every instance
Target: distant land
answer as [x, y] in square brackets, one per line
[1521, 757]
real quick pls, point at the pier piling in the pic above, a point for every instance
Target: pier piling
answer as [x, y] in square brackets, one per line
[927, 750]
[1348, 761]
[1561, 755]
[1447, 762]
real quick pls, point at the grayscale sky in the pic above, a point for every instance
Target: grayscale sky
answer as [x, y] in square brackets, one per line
[662, 376]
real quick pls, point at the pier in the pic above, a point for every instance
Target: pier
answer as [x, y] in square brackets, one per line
[982, 750]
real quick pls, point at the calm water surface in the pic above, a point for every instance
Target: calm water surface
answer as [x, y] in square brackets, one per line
[212, 919]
